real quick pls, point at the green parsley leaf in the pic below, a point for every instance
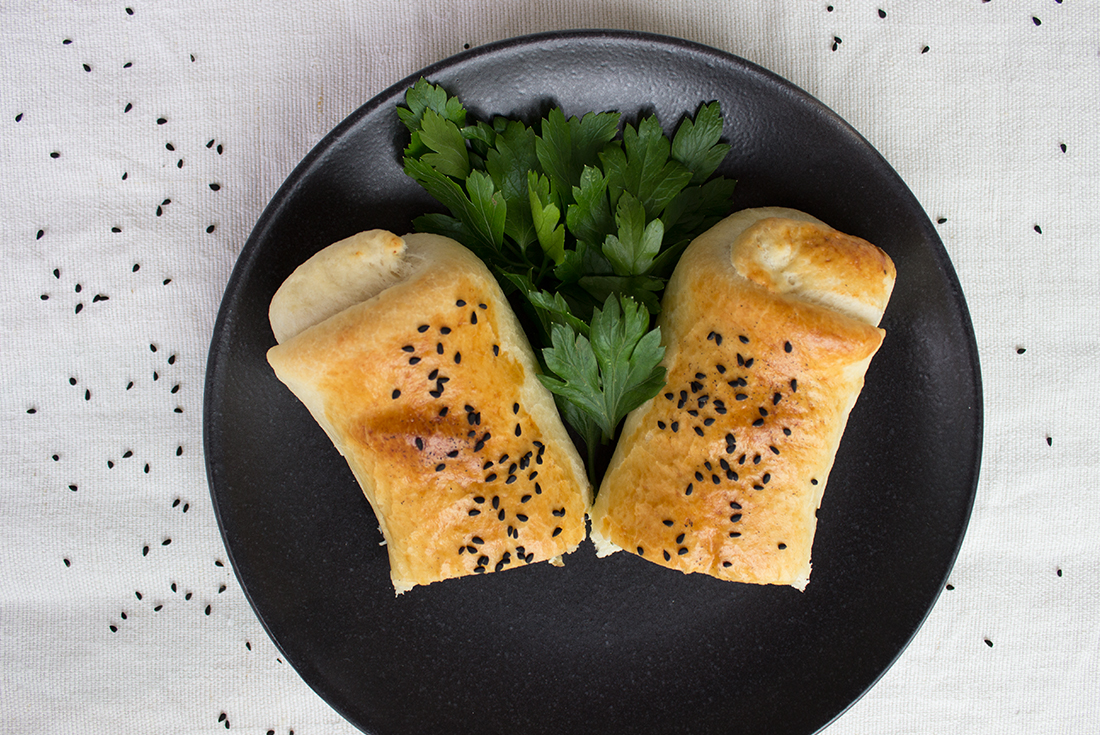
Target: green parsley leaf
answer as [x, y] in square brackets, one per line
[632, 250]
[696, 143]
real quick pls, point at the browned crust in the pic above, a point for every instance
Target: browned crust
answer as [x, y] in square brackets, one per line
[771, 375]
[429, 391]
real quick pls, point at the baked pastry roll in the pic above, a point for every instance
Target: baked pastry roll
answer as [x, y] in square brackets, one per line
[408, 355]
[769, 323]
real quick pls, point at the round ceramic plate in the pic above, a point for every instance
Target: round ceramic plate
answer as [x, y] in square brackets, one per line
[617, 646]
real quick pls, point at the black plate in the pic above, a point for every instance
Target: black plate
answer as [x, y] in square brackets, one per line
[616, 645]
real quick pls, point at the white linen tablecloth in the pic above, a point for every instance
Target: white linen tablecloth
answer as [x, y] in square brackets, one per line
[139, 142]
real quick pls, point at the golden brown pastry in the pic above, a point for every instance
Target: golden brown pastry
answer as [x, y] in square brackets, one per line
[408, 355]
[769, 323]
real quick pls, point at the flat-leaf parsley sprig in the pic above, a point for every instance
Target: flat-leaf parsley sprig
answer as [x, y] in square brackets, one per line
[584, 217]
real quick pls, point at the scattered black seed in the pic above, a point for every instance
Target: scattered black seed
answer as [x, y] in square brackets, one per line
[758, 422]
[538, 489]
[476, 540]
[521, 518]
[443, 411]
[473, 512]
[215, 187]
[736, 516]
[1050, 441]
[669, 396]
[519, 431]
[776, 398]
[741, 396]
[641, 551]
[145, 551]
[496, 350]
[440, 467]
[668, 522]
[786, 431]
[1037, 22]
[557, 530]
[743, 338]
[740, 360]
[675, 426]
[703, 401]
[787, 347]
[749, 362]
[444, 330]
[422, 328]
[439, 348]
[1038, 229]
[396, 394]
[473, 317]
[510, 480]
[525, 498]
[794, 385]
[690, 487]
[210, 229]
[682, 550]
[727, 564]
[698, 430]
[1057, 571]
[782, 546]
[707, 422]
[73, 488]
[1062, 146]
[813, 482]
[696, 386]
[668, 557]
[661, 425]
[881, 13]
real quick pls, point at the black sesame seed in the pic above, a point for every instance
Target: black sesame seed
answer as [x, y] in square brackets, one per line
[668, 522]
[700, 376]
[444, 330]
[675, 425]
[749, 362]
[698, 430]
[715, 479]
[669, 396]
[786, 431]
[440, 467]
[479, 570]
[435, 393]
[794, 385]
[439, 348]
[510, 480]
[735, 534]
[557, 530]
[720, 368]
[500, 516]
[727, 564]
[538, 489]
[491, 476]
[690, 488]
[453, 453]
[696, 386]
[414, 360]
[483, 560]
[758, 422]
[743, 338]
[782, 546]
[422, 328]
[641, 551]
[693, 412]
[396, 394]
[525, 498]
[708, 422]
[681, 551]
[756, 459]
[476, 540]
[763, 411]
[474, 512]
[667, 556]
[813, 482]
[661, 425]
[776, 398]
[443, 411]
[408, 348]
[460, 302]
[559, 513]
[521, 518]
[479, 499]
[740, 396]
[496, 350]
[775, 450]
[519, 431]
[680, 538]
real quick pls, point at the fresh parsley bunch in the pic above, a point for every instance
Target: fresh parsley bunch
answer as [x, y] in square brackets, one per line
[585, 222]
